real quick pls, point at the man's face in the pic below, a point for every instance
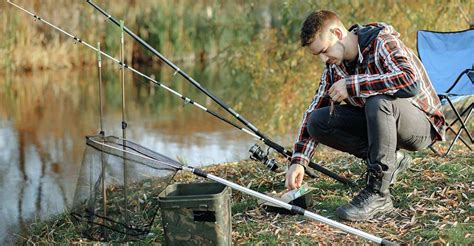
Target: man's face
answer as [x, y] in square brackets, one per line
[328, 48]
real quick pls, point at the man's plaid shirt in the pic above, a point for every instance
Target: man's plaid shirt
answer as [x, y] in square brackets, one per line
[385, 66]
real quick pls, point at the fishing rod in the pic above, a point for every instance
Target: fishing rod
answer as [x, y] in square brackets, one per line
[124, 122]
[266, 140]
[155, 82]
[257, 153]
[176, 165]
[109, 148]
[102, 133]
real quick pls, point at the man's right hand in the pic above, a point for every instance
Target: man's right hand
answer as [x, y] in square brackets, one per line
[294, 176]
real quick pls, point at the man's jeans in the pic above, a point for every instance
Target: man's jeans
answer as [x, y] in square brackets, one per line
[374, 132]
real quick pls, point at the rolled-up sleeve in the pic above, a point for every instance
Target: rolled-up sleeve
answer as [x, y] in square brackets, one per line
[305, 145]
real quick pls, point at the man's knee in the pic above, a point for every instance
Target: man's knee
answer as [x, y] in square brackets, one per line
[318, 123]
[377, 104]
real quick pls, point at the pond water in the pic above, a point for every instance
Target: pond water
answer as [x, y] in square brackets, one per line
[45, 116]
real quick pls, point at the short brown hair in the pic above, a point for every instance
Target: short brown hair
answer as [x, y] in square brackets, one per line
[314, 23]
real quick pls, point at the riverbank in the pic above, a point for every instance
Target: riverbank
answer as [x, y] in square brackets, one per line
[433, 203]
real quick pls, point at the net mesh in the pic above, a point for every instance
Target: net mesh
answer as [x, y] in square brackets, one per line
[116, 197]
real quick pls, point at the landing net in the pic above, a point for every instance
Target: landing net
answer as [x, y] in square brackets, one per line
[116, 197]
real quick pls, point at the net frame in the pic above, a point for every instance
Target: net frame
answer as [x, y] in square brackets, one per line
[95, 222]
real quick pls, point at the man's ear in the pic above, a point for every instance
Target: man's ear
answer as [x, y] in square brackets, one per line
[337, 32]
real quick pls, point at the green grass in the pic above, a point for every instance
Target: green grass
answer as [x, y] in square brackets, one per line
[433, 202]
[242, 206]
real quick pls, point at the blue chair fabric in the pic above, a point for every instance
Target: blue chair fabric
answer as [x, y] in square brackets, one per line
[448, 58]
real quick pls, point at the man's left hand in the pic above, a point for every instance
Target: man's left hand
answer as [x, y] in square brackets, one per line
[338, 91]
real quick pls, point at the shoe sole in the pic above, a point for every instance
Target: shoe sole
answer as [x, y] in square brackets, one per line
[386, 208]
[404, 165]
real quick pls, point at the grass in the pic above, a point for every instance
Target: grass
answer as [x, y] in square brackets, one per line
[433, 203]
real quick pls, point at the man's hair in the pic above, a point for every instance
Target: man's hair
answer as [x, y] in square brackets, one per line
[315, 24]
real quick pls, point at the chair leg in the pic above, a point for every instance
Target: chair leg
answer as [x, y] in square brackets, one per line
[467, 120]
[459, 116]
[434, 150]
[463, 126]
[456, 133]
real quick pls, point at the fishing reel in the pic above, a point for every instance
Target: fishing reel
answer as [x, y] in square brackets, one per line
[257, 154]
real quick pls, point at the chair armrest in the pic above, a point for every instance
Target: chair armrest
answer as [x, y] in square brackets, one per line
[458, 78]
[470, 74]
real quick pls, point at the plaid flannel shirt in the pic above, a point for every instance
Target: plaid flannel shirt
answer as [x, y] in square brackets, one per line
[385, 66]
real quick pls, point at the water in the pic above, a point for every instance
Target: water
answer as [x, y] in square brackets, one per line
[45, 116]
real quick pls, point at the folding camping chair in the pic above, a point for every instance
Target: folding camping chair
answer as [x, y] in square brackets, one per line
[449, 60]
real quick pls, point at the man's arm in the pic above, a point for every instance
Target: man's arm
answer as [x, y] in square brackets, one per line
[305, 145]
[397, 75]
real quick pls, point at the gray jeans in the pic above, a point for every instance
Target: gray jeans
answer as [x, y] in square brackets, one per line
[374, 132]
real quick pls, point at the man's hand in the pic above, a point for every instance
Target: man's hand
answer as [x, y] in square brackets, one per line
[338, 91]
[294, 176]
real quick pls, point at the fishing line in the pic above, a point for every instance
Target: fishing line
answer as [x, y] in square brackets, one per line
[127, 154]
[280, 149]
[255, 134]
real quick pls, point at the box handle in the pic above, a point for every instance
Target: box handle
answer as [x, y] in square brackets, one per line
[204, 216]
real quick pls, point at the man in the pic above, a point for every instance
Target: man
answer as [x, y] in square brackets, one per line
[390, 104]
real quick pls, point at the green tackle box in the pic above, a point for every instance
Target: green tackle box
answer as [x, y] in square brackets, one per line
[196, 214]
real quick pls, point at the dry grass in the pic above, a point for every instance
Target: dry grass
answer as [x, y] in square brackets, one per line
[433, 205]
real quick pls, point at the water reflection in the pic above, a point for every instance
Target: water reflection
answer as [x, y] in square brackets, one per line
[45, 116]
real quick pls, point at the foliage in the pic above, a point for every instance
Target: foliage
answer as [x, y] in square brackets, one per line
[255, 43]
[277, 66]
